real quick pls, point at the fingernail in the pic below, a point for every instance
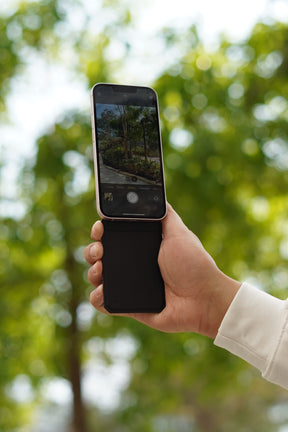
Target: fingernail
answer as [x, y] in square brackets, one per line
[94, 252]
[93, 226]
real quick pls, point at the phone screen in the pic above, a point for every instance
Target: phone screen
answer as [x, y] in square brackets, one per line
[129, 169]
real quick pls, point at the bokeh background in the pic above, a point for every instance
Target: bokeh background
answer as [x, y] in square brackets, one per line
[220, 70]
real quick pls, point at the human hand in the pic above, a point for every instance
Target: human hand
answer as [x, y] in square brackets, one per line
[197, 292]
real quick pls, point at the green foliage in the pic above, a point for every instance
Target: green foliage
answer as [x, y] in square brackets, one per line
[224, 132]
[225, 174]
[115, 157]
[30, 27]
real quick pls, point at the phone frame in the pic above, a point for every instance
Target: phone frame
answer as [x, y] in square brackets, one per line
[96, 166]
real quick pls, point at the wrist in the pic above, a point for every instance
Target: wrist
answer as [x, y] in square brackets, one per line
[222, 294]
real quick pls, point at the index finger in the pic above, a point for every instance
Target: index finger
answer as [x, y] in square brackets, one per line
[97, 231]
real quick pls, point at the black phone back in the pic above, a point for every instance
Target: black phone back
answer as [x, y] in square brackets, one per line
[132, 281]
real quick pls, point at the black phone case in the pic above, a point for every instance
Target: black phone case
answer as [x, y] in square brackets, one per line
[132, 281]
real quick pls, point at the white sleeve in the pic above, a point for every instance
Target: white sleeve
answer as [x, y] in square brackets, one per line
[255, 328]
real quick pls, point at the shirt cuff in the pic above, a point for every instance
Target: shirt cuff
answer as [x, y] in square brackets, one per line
[255, 329]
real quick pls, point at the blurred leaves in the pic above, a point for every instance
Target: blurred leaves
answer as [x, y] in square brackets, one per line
[224, 130]
[30, 27]
[222, 167]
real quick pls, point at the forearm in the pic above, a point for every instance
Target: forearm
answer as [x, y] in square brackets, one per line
[255, 329]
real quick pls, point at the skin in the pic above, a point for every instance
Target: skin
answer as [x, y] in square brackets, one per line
[197, 293]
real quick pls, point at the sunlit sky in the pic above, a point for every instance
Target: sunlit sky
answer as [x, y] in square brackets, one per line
[213, 17]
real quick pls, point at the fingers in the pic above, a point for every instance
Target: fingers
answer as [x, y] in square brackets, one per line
[93, 252]
[93, 255]
[95, 273]
[154, 320]
[97, 231]
[96, 298]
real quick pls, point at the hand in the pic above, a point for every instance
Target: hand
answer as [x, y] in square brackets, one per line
[197, 293]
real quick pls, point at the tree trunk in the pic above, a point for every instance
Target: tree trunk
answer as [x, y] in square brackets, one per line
[144, 140]
[123, 116]
[78, 418]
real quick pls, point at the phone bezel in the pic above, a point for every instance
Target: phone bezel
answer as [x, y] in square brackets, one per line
[96, 162]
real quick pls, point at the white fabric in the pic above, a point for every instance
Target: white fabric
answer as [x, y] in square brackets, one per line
[255, 328]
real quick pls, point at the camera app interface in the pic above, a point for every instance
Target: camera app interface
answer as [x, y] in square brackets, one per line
[129, 158]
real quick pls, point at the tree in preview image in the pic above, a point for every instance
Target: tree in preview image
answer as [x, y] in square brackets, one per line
[129, 140]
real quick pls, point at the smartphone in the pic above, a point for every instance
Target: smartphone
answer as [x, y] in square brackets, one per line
[127, 153]
[130, 195]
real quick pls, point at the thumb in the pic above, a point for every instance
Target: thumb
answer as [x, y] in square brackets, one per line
[172, 224]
